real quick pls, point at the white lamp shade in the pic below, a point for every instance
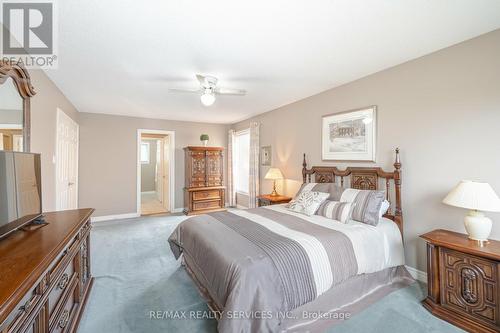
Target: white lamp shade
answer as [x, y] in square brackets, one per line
[473, 195]
[274, 173]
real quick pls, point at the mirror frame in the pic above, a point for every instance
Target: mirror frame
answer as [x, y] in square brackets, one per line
[22, 82]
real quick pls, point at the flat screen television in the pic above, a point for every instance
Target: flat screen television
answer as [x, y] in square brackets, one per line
[20, 190]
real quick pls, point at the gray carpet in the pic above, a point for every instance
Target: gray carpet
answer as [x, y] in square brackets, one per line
[136, 277]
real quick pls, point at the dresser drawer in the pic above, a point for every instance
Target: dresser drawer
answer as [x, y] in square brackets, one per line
[59, 287]
[19, 316]
[206, 195]
[202, 205]
[65, 315]
[469, 286]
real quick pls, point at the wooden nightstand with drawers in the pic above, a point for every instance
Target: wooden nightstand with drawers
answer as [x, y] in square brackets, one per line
[267, 200]
[462, 277]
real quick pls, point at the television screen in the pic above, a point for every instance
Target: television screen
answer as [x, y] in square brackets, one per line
[20, 190]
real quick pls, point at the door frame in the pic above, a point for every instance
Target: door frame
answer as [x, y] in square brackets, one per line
[171, 172]
[61, 113]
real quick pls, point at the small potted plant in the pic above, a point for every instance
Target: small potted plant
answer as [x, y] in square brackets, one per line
[204, 138]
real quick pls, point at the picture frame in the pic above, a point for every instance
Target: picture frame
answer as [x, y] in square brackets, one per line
[350, 135]
[266, 156]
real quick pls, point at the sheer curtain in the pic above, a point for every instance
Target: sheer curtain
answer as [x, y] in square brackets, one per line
[231, 193]
[253, 181]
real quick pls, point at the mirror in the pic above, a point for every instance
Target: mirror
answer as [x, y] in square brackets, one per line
[15, 97]
[11, 117]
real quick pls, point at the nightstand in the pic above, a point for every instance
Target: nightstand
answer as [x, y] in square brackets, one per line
[463, 280]
[267, 199]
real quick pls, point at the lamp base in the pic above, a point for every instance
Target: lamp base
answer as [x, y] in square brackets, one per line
[274, 193]
[477, 225]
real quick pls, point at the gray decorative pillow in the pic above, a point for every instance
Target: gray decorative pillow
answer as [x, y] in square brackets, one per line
[368, 203]
[333, 189]
[335, 210]
[307, 202]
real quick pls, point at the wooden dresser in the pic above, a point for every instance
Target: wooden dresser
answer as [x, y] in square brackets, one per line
[204, 189]
[45, 274]
[463, 280]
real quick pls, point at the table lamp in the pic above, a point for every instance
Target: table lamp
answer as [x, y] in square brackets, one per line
[477, 197]
[274, 173]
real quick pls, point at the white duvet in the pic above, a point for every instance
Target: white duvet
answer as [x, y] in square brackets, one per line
[375, 247]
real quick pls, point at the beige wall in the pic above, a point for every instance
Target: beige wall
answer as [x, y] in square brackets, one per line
[43, 130]
[108, 158]
[442, 110]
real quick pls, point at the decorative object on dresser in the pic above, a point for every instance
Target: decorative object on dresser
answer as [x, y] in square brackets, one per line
[204, 189]
[45, 275]
[350, 135]
[477, 197]
[274, 174]
[204, 138]
[268, 200]
[463, 280]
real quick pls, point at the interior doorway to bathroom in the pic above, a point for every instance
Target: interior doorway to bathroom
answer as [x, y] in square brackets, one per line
[155, 160]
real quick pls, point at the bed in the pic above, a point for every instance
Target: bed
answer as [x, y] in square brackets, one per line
[272, 270]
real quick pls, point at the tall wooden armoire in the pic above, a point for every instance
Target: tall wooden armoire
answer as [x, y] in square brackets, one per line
[204, 189]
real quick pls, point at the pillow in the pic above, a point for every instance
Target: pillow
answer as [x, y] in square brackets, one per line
[307, 202]
[368, 203]
[333, 189]
[384, 207]
[335, 210]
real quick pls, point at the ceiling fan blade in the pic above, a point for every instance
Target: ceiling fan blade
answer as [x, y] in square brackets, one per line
[228, 91]
[182, 90]
[200, 79]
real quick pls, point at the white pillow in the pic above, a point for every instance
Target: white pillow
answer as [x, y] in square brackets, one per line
[337, 211]
[384, 207]
[307, 202]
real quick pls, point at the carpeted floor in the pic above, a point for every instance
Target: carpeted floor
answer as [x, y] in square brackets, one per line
[137, 280]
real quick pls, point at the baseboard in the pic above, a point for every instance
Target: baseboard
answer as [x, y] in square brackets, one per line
[177, 210]
[113, 217]
[416, 274]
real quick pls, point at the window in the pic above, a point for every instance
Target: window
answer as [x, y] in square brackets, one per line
[145, 152]
[241, 153]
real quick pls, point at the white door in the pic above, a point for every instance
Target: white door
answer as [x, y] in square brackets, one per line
[66, 162]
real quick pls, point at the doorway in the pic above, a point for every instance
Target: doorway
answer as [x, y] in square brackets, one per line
[67, 138]
[155, 172]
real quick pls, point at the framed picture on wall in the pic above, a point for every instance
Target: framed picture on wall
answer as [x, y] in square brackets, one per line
[266, 156]
[350, 135]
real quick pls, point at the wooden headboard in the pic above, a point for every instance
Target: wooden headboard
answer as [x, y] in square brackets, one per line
[363, 178]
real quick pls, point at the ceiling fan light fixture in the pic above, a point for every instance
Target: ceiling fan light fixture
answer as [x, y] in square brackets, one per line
[207, 99]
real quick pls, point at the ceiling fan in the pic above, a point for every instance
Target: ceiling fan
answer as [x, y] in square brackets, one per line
[208, 89]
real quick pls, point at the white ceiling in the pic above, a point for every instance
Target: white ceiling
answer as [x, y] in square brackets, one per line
[121, 56]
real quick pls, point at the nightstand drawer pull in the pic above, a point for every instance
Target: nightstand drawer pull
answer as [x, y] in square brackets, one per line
[469, 285]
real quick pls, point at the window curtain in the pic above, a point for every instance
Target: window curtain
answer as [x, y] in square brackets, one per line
[231, 193]
[253, 182]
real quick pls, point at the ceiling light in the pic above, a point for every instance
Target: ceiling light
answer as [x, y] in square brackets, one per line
[208, 98]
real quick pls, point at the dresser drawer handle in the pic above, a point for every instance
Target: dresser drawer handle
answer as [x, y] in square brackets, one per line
[64, 319]
[63, 282]
[27, 306]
